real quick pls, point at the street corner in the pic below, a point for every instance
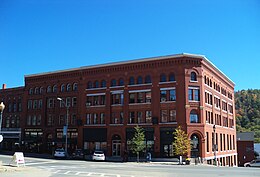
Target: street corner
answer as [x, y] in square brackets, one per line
[12, 168]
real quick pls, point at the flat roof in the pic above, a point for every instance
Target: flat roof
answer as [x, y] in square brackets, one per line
[134, 61]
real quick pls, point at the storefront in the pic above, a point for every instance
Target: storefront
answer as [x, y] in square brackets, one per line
[33, 140]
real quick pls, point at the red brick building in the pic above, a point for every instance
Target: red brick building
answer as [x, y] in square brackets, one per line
[107, 101]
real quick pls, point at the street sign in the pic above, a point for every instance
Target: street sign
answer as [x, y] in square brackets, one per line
[1, 138]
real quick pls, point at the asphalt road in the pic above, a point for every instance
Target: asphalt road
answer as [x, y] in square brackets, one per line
[36, 167]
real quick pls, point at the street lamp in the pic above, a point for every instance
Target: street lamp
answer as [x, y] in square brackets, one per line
[67, 124]
[2, 107]
[214, 145]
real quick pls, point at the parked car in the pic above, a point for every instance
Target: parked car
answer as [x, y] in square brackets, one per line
[78, 154]
[59, 153]
[253, 163]
[98, 155]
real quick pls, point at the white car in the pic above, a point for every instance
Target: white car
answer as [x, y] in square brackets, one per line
[59, 153]
[253, 163]
[98, 155]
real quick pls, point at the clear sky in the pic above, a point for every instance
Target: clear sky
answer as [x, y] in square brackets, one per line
[48, 35]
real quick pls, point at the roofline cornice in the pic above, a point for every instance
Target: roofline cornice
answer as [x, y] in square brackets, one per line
[134, 61]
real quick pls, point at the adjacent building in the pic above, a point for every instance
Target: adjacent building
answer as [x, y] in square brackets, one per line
[105, 102]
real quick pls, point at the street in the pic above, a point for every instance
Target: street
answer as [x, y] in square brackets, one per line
[68, 168]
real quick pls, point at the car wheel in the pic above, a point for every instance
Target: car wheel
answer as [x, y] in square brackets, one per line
[248, 165]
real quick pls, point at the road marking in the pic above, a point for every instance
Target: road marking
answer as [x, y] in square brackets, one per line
[38, 163]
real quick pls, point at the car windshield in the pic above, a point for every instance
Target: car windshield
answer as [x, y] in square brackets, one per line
[99, 152]
[59, 150]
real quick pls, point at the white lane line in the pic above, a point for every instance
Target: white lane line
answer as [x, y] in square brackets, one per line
[67, 172]
[37, 163]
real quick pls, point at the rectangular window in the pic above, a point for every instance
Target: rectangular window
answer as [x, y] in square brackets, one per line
[88, 119]
[172, 116]
[96, 100]
[29, 105]
[190, 94]
[35, 104]
[39, 120]
[114, 118]
[197, 95]
[140, 117]
[74, 101]
[140, 98]
[68, 101]
[121, 117]
[132, 117]
[132, 98]
[148, 97]
[164, 116]
[207, 136]
[173, 95]
[95, 118]
[117, 98]
[40, 104]
[34, 120]
[221, 148]
[15, 107]
[50, 103]
[29, 120]
[89, 101]
[163, 95]
[102, 118]
[102, 100]
[19, 107]
[148, 116]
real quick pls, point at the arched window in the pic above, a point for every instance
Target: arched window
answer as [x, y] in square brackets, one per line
[121, 82]
[172, 77]
[139, 80]
[54, 89]
[62, 88]
[193, 76]
[194, 117]
[31, 91]
[131, 81]
[96, 84]
[75, 86]
[103, 83]
[148, 79]
[90, 85]
[163, 78]
[41, 90]
[68, 87]
[36, 90]
[113, 83]
[49, 89]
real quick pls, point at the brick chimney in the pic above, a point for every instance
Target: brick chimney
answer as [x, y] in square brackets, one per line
[4, 86]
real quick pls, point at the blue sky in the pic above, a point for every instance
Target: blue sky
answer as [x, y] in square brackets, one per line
[47, 35]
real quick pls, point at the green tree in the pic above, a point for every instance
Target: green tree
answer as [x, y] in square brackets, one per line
[138, 142]
[181, 144]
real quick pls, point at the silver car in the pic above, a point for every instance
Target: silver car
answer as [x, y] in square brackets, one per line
[253, 163]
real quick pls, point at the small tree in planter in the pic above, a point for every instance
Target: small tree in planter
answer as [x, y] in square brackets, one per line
[181, 144]
[138, 142]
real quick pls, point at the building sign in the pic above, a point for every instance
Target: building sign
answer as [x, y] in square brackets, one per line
[33, 130]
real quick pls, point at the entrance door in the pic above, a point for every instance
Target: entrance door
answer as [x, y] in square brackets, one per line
[116, 144]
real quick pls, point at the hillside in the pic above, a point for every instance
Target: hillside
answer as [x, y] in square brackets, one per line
[248, 111]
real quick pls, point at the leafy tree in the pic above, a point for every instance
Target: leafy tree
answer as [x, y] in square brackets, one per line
[138, 142]
[247, 105]
[181, 144]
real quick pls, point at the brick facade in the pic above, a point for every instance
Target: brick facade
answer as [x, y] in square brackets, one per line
[107, 101]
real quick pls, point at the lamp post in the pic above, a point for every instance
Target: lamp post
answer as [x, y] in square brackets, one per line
[2, 107]
[66, 124]
[214, 145]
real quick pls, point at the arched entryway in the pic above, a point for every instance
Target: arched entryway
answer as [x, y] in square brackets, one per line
[195, 146]
[116, 145]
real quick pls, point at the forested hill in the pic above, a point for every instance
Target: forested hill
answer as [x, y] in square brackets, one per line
[248, 111]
